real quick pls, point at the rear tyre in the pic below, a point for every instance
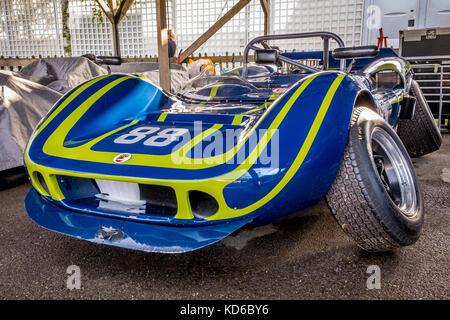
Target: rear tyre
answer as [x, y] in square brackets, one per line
[375, 197]
[420, 135]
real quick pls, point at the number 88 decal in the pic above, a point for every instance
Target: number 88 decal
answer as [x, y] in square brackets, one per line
[162, 139]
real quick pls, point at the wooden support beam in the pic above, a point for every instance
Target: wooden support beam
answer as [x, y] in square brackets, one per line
[265, 4]
[163, 47]
[108, 12]
[122, 10]
[114, 15]
[112, 4]
[116, 40]
[15, 62]
[213, 29]
[119, 13]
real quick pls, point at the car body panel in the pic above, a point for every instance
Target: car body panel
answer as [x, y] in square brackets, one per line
[305, 123]
[125, 233]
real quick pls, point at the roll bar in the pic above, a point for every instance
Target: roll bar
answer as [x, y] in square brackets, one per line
[326, 36]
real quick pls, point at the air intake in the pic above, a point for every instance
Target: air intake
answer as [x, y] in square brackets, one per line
[119, 196]
[202, 204]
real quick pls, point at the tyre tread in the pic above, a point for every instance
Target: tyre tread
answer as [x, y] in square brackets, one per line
[353, 208]
[420, 135]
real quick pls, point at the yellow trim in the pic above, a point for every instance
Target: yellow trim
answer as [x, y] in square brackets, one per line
[162, 117]
[53, 187]
[68, 100]
[297, 162]
[213, 92]
[213, 186]
[50, 179]
[397, 100]
[37, 185]
[216, 185]
[146, 79]
[264, 105]
[214, 89]
[237, 120]
[395, 66]
[274, 96]
[183, 205]
[54, 144]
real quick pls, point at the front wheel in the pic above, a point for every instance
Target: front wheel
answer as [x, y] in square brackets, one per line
[375, 197]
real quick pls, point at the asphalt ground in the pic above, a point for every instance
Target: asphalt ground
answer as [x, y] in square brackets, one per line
[305, 257]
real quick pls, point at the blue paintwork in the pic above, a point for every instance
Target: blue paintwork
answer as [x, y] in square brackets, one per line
[334, 63]
[178, 120]
[318, 171]
[137, 235]
[138, 100]
[140, 97]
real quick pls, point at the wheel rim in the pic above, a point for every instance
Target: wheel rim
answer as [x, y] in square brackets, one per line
[394, 173]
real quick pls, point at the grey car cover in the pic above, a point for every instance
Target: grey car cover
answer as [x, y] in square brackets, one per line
[22, 105]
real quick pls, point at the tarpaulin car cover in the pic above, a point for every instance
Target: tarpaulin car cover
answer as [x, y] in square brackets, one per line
[26, 96]
[178, 74]
[22, 105]
[62, 74]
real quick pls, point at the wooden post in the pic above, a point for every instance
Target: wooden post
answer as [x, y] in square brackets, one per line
[123, 8]
[108, 12]
[213, 29]
[115, 27]
[265, 4]
[114, 16]
[163, 47]
[116, 40]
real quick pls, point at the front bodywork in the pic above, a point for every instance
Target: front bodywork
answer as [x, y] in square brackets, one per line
[72, 153]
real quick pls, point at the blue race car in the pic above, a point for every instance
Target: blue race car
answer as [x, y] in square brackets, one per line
[118, 161]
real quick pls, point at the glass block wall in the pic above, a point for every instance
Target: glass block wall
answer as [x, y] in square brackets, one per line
[34, 27]
[30, 28]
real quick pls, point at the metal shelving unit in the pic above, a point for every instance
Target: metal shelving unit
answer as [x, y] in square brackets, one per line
[428, 51]
[434, 80]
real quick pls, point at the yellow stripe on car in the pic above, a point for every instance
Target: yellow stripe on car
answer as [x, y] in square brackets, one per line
[397, 100]
[213, 92]
[237, 120]
[264, 105]
[66, 101]
[54, 144]
[213, 186]
[221, 214]
[162, 117]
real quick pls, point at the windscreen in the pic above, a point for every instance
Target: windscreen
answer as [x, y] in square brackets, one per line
[229, 86]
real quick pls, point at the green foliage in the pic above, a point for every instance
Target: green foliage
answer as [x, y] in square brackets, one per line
[68, 49]
[97, 13]
[65, 27]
